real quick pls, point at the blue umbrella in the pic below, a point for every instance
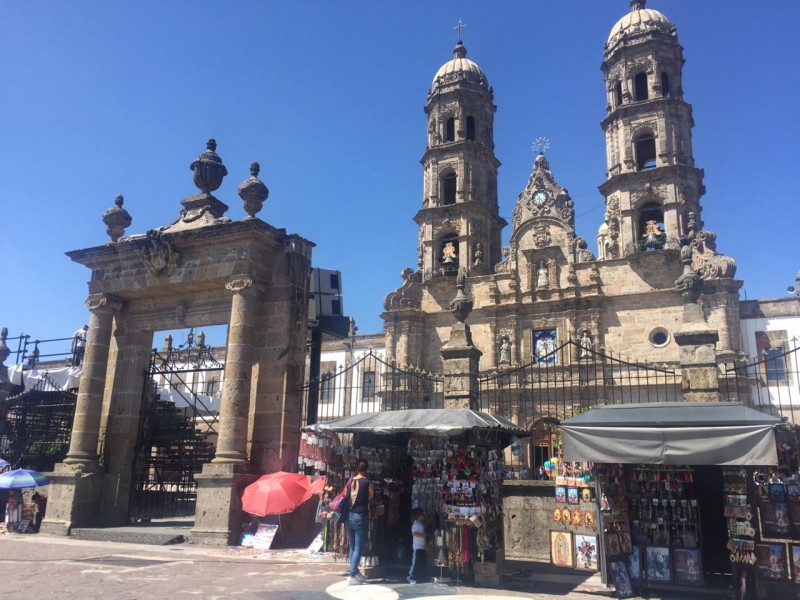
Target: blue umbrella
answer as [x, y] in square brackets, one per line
[3, 463]
[22, 478]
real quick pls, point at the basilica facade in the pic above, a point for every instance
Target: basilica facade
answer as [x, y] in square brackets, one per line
[545, 286]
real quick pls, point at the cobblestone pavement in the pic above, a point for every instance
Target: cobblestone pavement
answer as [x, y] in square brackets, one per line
[38, 566]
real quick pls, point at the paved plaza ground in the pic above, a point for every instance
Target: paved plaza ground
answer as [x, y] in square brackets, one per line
[41, 566]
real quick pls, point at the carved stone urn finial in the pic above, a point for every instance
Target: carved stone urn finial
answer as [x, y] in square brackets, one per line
[117, 219]
[690, 283]
[4, 351]
[461, 305]
[253, 192]
[208, 170]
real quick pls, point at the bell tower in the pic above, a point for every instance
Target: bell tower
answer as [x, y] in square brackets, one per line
[459, 224]
[653, 188]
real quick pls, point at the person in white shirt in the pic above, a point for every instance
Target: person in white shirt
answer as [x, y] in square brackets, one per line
[79, 345]
[419, 560]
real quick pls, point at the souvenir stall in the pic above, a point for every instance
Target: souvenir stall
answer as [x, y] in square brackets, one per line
[664, 477]
[449, 463]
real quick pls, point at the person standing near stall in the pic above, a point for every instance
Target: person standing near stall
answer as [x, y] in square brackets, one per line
[419, 559]
[361, 494]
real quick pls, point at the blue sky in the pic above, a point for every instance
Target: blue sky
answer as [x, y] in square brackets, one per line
[99, 98]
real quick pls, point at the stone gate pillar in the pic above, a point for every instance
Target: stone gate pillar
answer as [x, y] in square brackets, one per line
[460, 357]
[74, 496]
[696, 340]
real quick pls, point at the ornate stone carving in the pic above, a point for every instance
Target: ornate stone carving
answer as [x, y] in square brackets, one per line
[706, 260]
[408, 295]
[541, 235]
[477, 254]
[117, 219]
[504, 354]
[543, 197]
[239, 284]
[102, 301]
[461, 305]
[586, 344]
[253, 192]
[503, 265]
[207, 169]
[690, 283]
[159, 255]
[445, 226]
[4, 350]
[542, 275]
[582, 253]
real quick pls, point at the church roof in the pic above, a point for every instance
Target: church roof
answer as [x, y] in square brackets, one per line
[459, 68]
[640, 19]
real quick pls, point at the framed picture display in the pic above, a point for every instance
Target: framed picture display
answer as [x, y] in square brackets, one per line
[622, 582]
[586, 551]
[561, 548]
[633, 562]
[658, 565]
[771, 561]
[774, 519]
[572, 495]
[613, 545]
[793, 493]
[625, 543]
[688, 566]
[794, 516]
[561, 494]
[586, 495]
[776, 492]
[794, 561]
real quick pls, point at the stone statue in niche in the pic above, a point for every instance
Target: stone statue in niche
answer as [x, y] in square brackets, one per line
[449, 254]
[505, 352]
[478, 254]
[542, 276]
[587, 346]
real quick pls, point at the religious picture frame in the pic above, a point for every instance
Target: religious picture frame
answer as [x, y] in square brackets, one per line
[622, 582]
[688, 566]
[572, 495]
[774, 519]
[633, 562]
[625, 542]
[771, 561]
[794, 516]
[793, 493]
[613, 546]
[794, 562]
[561, 494]
[545, 343]
[586, 552]
[658, 564]
[561, 553]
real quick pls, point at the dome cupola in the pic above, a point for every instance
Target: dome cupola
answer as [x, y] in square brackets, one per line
[639, 20]
[459, 69]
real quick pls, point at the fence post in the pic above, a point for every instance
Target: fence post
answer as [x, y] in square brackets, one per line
[460, 357]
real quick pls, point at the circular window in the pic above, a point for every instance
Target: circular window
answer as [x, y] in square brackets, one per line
[659, 337]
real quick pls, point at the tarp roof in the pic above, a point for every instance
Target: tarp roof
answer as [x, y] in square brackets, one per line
[430, 421]
[672, 433]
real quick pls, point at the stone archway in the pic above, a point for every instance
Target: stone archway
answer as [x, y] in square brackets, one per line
[203, 269]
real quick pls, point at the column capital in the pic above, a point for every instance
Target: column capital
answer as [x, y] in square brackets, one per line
[240, 283]
[99, 302]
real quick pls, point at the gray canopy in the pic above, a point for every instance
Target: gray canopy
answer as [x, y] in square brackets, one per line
[672, 433]
[430, 421]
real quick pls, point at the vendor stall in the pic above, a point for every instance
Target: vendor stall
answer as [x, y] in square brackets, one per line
[665, 477]
[447, 462]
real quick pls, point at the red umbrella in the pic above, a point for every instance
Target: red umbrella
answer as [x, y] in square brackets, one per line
[275, 494]
[316, 487]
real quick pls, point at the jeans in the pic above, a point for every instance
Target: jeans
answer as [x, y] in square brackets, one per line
[419, 565]
[357, 525]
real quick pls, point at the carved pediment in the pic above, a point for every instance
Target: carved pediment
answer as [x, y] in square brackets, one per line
[160, 256]
[408, 295]
[543, 198]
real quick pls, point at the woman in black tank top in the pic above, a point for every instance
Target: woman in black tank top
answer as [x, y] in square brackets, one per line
[360, 494]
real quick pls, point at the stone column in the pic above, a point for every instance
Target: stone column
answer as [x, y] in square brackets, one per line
[696, 340]
[89, 405]
[239, 359]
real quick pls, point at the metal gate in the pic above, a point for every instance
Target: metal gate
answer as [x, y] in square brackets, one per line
[564, 382]
[177, 430]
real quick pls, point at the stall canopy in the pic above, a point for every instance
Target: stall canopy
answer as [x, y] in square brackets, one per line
[672, 433]
[426, 421]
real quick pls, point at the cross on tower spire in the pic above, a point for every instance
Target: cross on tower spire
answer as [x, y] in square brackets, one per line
[460, 27]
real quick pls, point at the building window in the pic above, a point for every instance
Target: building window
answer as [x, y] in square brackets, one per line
[775, 365]
[645, 147]
[665, 85]
[368, 386]
[618, 94]
[651, 227]
[450, 130]
[544, 347]
[659, 337]
[640, 87]
[449, 189]
[326, 388]
[212, 386]
[470, 128]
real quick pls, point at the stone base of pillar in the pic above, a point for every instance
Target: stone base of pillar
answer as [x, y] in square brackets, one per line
[218, 516]
[698, 357]
[460, 368]
[73, 499]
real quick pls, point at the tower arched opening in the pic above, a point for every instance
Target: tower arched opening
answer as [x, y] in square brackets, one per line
[449, 185]
[640, 87]
[450, 130]
[645, 150]
[651, 227]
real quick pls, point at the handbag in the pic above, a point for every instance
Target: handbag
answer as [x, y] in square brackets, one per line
[341, 503]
